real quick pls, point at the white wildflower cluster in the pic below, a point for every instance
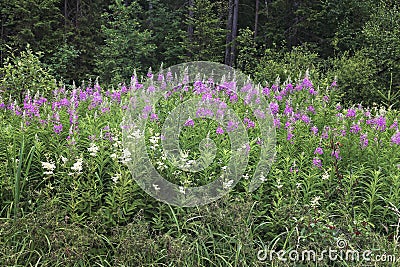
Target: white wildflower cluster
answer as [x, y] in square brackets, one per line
[93, 149]
[186, 162]
[315, 202]
[262, 177]
[154, 141]
[126, 156]
[49, 167]
[116, 177]
[228, 184]
[279, 185]
[182, 190]
[77, 167]
[156, 187]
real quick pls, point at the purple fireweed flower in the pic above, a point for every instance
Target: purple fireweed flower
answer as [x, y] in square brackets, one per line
[275, 88]
[305, 119]
[189, 122]
[266, 91]
[206, 97]
[312, 91]
[247, 148]
[124, 89]
[151, 89]
[116, 96]
[274, 107]
[223, 105]
[306, 83]
[288, 110]
[317, 163]
[58, 128]
[277, 123]
[343, 132]
[325, 98]
[333, 84]
[259, 114]
[314, 130]
[335, 153]
[393, 126]
[220, 130]
[289, 88]
[105, 109]
[351, 113]
[231, 126]
[287, 124]
[396, 138]
[380, 123]
[311, 109]
[364, 140]
[147, 109]
[233, 98]
[290, 135]
[278, 97]
[220, 113]
[319, 151]
[325, 135]
[249, 123]
[355, 128]
[153, 117]
[338, 107]
[2, 105]
[203, 112]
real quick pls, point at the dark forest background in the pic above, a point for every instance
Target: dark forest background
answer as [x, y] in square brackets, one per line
[358, 42]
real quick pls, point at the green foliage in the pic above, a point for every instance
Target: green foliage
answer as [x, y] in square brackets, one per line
[25, 72]
[247, 51]
[356, 76]
[126, 43]
[208, 40]
[283, 65]
[62, 62]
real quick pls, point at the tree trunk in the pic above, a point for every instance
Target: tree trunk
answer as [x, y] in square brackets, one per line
[256, 19]
[229, 34]
[190, 26]
[234, 31]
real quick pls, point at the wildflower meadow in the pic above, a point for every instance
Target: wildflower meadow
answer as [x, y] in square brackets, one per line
[70, 194]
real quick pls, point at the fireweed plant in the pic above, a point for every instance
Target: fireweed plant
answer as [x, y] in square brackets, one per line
[337, 171]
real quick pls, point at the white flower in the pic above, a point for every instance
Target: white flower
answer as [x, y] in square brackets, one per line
[224, 168]
[325, 176]
[113, 156]
[49, 167]
[156, 187]
[64, 159]
[77, 167]
[136, 134]
[315, 201]
[228, 184]
[278, 184]
[161, 165]
[154, 140]
[126, 156]
[245, 176]
[93, 149]
[182, 190]
[262, 177]
[116, 177]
